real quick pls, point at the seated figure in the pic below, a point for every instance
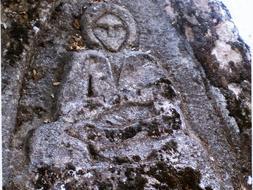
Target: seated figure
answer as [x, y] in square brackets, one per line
[108, 90]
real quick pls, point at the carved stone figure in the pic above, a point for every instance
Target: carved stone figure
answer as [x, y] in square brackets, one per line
[115, 104]
[112, 99]
[110, 92]
[124, 95]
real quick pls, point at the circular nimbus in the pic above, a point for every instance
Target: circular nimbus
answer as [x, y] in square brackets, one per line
[109, 26]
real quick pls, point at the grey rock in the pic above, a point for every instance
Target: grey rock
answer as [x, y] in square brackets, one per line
[121, 95]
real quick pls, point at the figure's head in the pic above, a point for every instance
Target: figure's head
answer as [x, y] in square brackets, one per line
[110, 31]
[109, 26]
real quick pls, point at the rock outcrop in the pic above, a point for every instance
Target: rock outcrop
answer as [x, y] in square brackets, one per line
[117, 94]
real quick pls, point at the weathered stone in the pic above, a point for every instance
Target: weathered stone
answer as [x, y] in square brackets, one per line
[125, 95]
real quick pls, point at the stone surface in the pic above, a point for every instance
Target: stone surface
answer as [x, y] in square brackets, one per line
[124, 95]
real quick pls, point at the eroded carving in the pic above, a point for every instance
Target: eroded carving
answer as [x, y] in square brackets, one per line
[108, 25]
[89, 84]
[110, 31]
[123, 94]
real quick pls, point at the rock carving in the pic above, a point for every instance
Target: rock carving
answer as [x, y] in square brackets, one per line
[132, 103]
[112, 91]
[110, 26]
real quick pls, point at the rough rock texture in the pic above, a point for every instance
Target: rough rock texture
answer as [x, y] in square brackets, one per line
[119, 94]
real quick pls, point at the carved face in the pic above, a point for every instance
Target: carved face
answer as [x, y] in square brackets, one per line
[110, 31]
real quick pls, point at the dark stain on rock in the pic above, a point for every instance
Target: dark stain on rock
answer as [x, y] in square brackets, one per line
[168, 91]
[173, 120]
[168, 177]
[124, 134]
[93, 151]
[18, 33]
[121, 160]
[170, 146]
[137, 182]
[47, 176]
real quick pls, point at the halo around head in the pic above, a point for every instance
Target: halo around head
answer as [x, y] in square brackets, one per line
[96, 11]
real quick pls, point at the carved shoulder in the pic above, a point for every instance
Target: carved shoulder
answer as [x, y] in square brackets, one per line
[89, 77]
[140, 68]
